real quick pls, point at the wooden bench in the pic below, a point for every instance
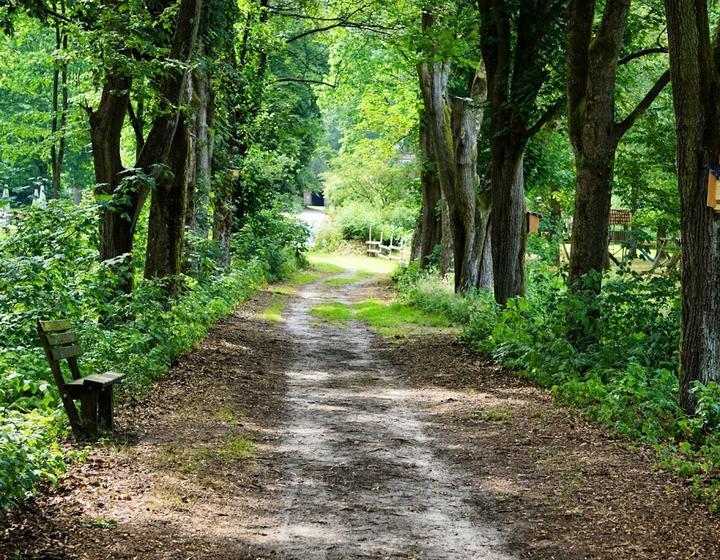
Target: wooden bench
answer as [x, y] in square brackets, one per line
[95, 392]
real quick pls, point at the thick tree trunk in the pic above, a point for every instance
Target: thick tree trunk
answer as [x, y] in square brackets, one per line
[515, 76]
[446, 252]
[593, 192]
[203, 152]
[223, 220]
[428, 233]
[169, 143]
[695, 85]
[454, 131]
[473, 210]
[592, 61]
[119, 217]
[510, 221]
[167, 211]
[106, 124]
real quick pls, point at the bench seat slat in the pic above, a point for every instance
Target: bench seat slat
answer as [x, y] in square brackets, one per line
[56, 326]
[103, 379]
[61, 352]
[59, 339]
[94, 381]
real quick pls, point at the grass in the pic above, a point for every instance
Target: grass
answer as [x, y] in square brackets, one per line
[305, 276]
[358, 263]
[347, 280]
[273, 312]
[332, 312]
[389, 319]
[500, 414]
[202, 460]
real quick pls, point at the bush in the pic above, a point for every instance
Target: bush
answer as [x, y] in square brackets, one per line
[49, 269]
[355, 220]
[623, 375]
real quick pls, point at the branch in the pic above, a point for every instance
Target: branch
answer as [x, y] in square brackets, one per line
[55, 15]
[137, 126]
[302, 81]
[624, 126]
[643, 52]
[546, 117]
[347, 24]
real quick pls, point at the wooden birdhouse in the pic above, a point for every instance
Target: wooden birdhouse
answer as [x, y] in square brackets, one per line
[533, 219]
[712, 189]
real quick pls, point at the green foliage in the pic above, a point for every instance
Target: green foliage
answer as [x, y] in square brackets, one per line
[355, 220]
[277, 240]
[29, 453]
[625, 378]
[389, 319]
[368, 163]
[49, 269]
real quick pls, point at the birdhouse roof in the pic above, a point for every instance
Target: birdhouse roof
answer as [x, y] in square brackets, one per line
[620, 216]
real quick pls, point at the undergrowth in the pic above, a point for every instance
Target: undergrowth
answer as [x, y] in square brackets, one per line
[49, 269]
[622, 375]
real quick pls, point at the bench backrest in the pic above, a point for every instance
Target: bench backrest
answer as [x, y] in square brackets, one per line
[60, 343]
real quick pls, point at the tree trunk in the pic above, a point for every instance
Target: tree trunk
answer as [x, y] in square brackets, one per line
[592, 61]
[589, 245]
[429, 231]
[513, 41]
[59, 108]
[119, 216]
[510, 221]
[473, 209]
[223, 219]
[446, 252]
[454, 131]
[106, 124]
[695, 85]
[167, 212]
[203, 152]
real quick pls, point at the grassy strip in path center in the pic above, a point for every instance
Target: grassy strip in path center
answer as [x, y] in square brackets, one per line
[390, 319]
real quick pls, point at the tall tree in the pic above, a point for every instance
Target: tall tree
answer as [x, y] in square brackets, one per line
[169, 142]
[454, 125]
[428, 233]
[518, 41]
[125, 192]
[59, 103]
[592, 62]
[695, 79]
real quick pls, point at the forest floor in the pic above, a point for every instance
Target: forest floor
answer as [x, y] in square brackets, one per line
[288, 437]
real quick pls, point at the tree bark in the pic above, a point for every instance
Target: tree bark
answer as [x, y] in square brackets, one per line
[512, 40]
[167, 212]
[592, 61]
[509, 221]
[223, 219]
[60, 107]
[202, 86]
[106, 124]
[454, 131]
[428, 234]
[446, 252]
[693, 66]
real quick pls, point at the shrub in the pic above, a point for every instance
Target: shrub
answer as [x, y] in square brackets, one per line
[355, 220]
[49, 269]
[623, 375]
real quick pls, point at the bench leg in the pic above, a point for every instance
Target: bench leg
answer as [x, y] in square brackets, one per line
[89, 413]
[105, 409]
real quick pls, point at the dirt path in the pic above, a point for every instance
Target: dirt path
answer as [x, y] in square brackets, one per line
[359, 479]
[302, 439]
